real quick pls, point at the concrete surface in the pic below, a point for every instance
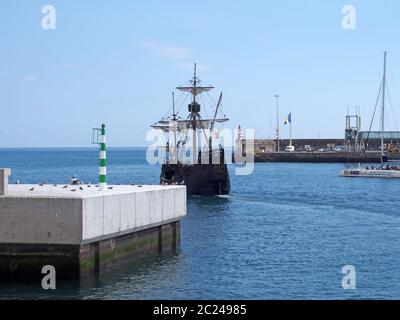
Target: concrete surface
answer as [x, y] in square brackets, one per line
[4, 173]
[48, 214]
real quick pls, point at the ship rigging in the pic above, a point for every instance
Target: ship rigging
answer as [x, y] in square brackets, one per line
[204, 172]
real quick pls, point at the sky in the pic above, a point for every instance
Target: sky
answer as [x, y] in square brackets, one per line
[117, 62]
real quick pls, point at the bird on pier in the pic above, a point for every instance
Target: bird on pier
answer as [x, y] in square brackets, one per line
[80, 188]
[65, 187]
[75, 180]
[31, 189]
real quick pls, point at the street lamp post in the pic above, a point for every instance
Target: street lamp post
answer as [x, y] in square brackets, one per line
[277, 123]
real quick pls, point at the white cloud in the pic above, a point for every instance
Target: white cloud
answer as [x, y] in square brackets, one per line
[167, 51]
[28, 78]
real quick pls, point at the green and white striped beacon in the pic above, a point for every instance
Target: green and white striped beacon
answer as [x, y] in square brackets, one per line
[99, 137]
[103, 157]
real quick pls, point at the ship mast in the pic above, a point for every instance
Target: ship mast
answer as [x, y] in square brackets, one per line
[174, 148]
[194, 120]
[383, 109]
[213, 123]
[194, 117]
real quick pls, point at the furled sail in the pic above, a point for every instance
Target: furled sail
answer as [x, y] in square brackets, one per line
[167, 125]
[195, 90]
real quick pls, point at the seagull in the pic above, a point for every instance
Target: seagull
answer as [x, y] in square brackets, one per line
[80, 188]
[75, 180]
[110, 187]
[65, 187]
[31, 189]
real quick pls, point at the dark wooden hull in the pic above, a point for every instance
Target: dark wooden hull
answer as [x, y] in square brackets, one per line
[199, 179]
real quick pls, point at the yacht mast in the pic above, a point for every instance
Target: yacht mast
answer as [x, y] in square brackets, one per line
[290, 128]
[383, 108]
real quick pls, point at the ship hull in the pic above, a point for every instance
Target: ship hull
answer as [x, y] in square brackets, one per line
[365, 173]
[199, 179]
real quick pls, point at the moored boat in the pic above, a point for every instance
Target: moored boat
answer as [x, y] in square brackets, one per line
[380, 172]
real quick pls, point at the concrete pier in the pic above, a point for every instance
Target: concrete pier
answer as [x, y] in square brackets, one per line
[80, 228]
[4, 173]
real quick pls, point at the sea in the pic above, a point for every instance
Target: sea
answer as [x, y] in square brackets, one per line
[286, 231]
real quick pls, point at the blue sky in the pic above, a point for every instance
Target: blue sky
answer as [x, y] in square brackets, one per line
[118, 61]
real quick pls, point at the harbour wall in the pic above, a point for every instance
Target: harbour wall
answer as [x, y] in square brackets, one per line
[318, 157]
[80, 229]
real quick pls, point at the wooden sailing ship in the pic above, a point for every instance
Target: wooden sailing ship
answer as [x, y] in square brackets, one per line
[204, 171]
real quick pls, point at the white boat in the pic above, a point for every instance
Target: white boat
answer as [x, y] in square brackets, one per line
[382, 172]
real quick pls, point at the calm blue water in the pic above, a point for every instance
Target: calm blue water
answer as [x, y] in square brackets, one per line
[285, 232]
